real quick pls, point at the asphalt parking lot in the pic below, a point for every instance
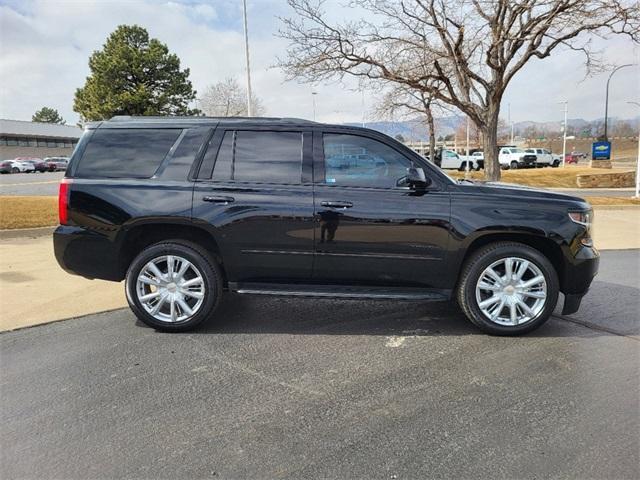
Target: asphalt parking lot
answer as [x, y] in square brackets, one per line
[282, 388]
[30, 183]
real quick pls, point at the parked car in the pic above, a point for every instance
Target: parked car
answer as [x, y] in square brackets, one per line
[544, 158]
[42, 166]
[15, 166]
[511, 157]
[9, 166]
[57, 163]
[34, 164]
[571, 158]
[185, 209]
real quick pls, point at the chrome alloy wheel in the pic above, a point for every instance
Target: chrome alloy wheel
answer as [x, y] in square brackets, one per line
[511, 291]
[170, 288]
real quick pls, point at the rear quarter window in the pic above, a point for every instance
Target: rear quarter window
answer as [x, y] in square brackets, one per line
[126, 153]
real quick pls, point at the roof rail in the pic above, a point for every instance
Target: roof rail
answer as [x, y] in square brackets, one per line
[129, 118]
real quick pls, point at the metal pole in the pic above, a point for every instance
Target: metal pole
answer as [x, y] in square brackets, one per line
[313, 95]
[467, 166]
[510, 124]
[637, 195]
[246, 50]
[564, 131]
[606, 99]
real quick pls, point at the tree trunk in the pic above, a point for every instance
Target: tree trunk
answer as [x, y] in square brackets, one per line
[432, 136]
[490, 135]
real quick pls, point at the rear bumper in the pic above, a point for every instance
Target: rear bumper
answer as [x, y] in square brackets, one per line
[88, 254]
[579, 274]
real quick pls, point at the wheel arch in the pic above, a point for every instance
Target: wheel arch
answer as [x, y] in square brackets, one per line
[137, 237]
[545, 245]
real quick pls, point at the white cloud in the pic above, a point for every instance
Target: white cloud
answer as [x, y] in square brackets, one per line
[45, 46]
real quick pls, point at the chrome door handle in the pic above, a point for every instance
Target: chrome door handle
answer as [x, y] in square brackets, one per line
[336, 204]
[218, 199]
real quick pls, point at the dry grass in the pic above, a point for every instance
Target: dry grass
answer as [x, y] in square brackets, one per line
[612, 200]
[28, 212]
[541, 177]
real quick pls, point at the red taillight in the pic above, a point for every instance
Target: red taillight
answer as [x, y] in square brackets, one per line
[63, 200]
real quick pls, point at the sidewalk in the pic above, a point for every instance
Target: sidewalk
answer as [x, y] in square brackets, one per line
[34, 289]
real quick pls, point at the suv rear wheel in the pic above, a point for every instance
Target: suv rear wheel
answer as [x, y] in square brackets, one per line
[508, 288]
[174, 285]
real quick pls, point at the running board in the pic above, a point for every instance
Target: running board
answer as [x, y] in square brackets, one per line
[341, 291]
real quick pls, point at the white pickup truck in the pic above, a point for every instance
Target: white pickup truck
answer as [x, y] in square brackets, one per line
[476, 159]
[448, 159]
[544, 158]
[512, 157]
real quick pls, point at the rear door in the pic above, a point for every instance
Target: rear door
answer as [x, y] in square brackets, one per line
[370, 231]
[254, 194]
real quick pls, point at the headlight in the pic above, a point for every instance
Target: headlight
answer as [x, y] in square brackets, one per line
[584, 218]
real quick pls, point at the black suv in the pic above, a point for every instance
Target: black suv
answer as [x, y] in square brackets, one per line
[187, 208]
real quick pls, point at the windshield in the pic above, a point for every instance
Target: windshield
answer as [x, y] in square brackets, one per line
[517, 150]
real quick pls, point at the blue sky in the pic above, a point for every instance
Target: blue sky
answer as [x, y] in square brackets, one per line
[45, 45]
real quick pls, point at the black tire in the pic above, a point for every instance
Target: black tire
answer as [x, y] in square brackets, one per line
[479, 261]
[556, 164]
[15, 170]
[201, 259]
[513, 165]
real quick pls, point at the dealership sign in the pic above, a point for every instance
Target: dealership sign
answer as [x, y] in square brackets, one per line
[601, 151]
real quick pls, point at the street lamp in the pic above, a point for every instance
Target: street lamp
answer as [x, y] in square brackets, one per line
[313, 95]
[246, 51]
[564, 131]
[637, 195]
[606, 101]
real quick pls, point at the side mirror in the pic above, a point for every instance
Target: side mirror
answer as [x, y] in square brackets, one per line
[416, 178]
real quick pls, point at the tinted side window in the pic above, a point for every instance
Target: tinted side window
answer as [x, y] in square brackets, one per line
[182, 159]
[267, 157]
[224, 161]
[356, 161]
[259, 157]
[120, 153]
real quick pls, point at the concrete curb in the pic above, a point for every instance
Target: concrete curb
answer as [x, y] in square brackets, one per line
[616, 207]
[26, 233]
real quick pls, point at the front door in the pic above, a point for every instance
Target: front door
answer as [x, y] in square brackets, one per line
[253, 195]
[368, 229]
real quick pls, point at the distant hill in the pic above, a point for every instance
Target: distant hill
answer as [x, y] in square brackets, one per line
[416, 130]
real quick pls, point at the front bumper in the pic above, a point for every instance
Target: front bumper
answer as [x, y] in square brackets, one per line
[578, 275]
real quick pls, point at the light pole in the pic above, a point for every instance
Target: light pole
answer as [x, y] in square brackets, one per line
[510, 124]
[246, 51]
[564, 131]
[637, 195]
[606, 98]
[468, 156]
[313, 95]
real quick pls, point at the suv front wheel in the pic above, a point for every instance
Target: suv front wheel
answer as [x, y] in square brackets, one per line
[508, 288]
[173, 285]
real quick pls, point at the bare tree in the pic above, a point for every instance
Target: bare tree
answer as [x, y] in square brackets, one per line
[228, 99]
[409, 103]
[461, 52]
